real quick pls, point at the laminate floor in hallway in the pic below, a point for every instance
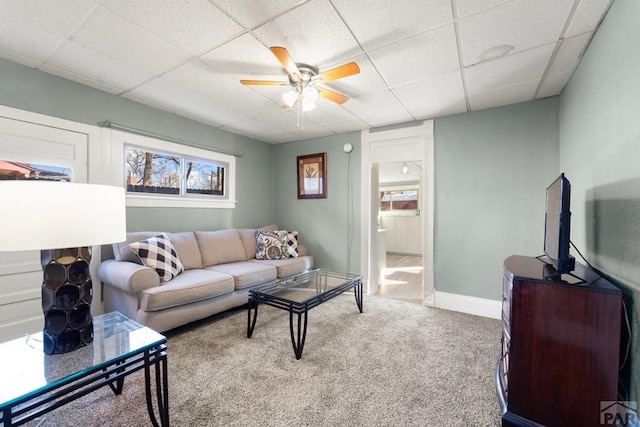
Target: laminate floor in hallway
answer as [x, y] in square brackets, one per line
[402, 279]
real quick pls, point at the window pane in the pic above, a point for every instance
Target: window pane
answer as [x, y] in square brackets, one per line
[205, 178]
[385, 201]
[32, 171]
[149, 172]
[404, 200]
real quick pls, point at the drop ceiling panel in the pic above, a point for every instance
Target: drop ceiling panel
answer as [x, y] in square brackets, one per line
[313, 33]
[187, 57]
[384, 22]
[195, 26]
[569, 53]
[250, 13]
[204, 80]
[253, 127]
[587, 16]
[163, 95]
[310, 131]
[97, 67]
[469, 7]
[81, 79]
[433, 97]
[61, 17]
[107, 32]
[503, 96]
[252, 104]
[286, 120]
[246, 58]
[421, 56]
[554, 84]
[25, 39]
[517, 26]
[378, 109]
[368, 80]
[343, 126]
[511, 70]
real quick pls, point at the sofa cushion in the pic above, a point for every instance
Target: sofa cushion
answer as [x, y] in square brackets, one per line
[190, 286]
[187, 249]
[247, 274]
[158, 253]
[220, 247]
[289, 266]
[248, 238]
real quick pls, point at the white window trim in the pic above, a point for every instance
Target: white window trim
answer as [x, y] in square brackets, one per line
[121, 139]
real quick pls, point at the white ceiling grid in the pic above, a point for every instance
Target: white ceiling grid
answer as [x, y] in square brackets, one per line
[419, 59]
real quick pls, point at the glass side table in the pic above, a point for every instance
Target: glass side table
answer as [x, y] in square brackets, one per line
[33, 383]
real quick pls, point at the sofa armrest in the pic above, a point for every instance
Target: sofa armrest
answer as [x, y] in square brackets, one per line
[302, 249]
[128, 276]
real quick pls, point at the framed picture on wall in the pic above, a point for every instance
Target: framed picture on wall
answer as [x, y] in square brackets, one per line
[312, 176]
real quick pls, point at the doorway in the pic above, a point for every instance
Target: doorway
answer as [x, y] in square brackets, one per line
[400, 231]
[392, 149]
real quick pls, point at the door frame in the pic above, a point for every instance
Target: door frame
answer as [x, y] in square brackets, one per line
[391, 145]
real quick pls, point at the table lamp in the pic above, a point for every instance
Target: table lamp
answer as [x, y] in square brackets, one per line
[63, 220]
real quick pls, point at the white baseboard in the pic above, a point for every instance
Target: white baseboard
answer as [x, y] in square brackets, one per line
[471, 305]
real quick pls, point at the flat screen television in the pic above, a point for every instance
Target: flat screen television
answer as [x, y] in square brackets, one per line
[557, 225]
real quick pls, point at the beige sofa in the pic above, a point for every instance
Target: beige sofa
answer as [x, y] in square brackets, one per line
[219, 269]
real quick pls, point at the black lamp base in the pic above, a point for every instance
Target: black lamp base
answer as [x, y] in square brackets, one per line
[67, 293]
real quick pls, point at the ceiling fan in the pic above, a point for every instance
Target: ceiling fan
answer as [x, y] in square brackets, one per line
[304, 80]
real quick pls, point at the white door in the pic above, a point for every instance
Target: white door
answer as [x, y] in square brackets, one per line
[23, 142]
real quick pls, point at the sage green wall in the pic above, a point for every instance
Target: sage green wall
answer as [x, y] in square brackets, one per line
[600, 153]
[491, 171]
[324, 224]
[29, 89]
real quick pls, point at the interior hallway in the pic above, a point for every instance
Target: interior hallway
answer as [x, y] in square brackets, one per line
[402, 278]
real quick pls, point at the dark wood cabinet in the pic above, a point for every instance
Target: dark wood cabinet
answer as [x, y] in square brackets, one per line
[560, 345]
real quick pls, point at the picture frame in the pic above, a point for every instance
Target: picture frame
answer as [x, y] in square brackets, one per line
[312, 176]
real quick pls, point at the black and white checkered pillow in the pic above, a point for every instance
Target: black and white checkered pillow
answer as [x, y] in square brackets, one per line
[292, 244]
[158, 253]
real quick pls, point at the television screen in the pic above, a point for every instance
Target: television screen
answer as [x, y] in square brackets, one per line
[557, 225]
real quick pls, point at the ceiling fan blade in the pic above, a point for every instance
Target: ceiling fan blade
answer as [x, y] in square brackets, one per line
[332, 96]
[285, 59]
[345, 70]
[263, 83]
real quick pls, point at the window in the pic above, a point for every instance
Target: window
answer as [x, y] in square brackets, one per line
[159, 173]
[399, 199]
[19, 171]
[167, 174]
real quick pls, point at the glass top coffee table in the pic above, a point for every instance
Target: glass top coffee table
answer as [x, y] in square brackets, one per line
[299, 294]
[33, 383]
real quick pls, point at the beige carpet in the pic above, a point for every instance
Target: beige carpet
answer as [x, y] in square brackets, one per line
[397, 364]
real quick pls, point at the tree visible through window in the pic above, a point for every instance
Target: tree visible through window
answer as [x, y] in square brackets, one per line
[160, 173]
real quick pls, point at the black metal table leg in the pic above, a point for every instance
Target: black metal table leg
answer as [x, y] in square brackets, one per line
[299, 334]
[119, 383]
[251, 324]
[162, 390]
[357, 292]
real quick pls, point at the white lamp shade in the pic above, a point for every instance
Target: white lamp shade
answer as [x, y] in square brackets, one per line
[55, 215]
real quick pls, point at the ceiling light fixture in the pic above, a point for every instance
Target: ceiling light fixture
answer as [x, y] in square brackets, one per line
[405, 169]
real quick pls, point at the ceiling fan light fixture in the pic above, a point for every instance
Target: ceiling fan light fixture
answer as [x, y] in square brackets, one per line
[307, 105]
[309, 94]
[290, 98]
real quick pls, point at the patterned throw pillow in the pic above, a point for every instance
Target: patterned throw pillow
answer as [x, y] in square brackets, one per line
[158, 253]
[271, 244]
[292, 244]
